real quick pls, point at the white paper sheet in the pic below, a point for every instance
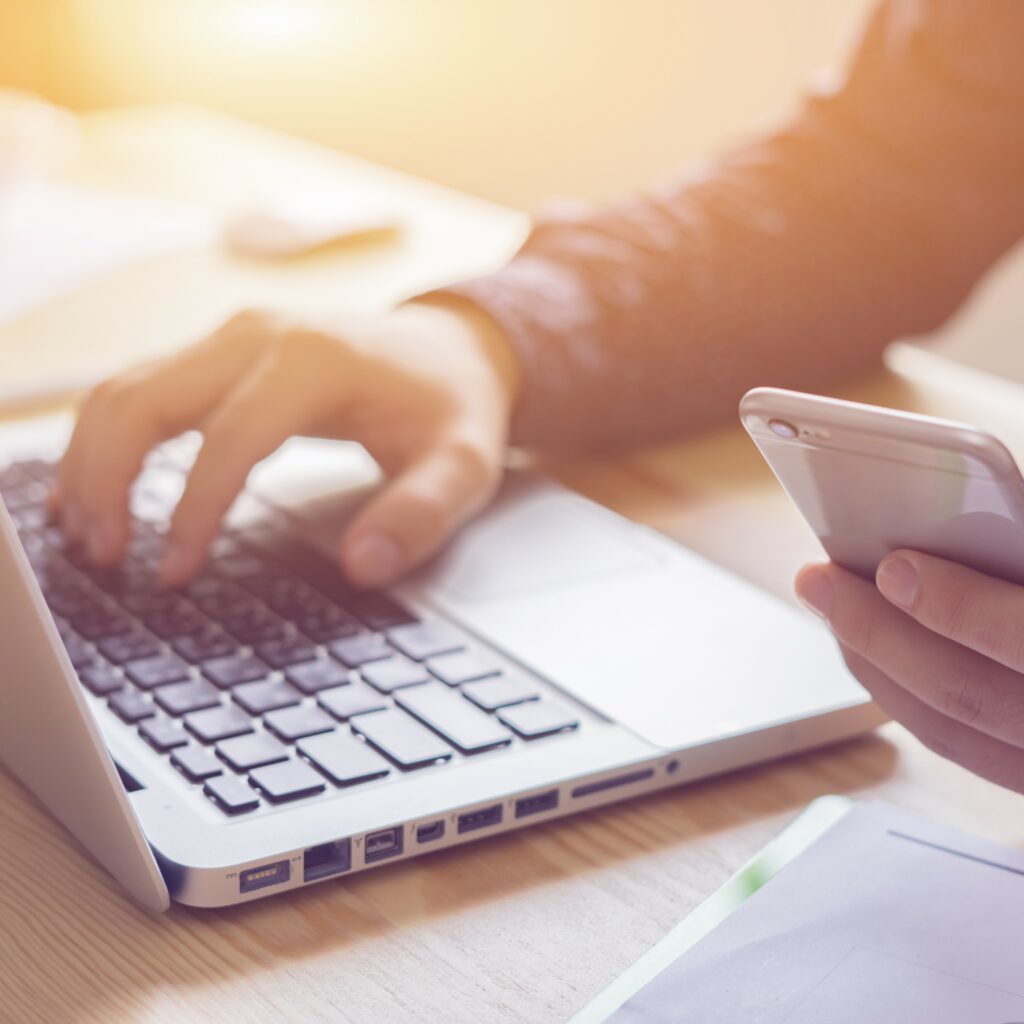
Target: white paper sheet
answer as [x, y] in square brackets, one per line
[54, 238]
[886, 918]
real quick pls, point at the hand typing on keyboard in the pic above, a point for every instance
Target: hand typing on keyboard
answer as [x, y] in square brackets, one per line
[427, 389]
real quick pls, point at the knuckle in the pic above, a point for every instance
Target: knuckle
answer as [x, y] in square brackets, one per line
[954, 613]
[248, 321]
[860, 629]
[1013, 643]
[937, 743]
[297, 343]
[964, 697]
[475, 463]
[121, 396]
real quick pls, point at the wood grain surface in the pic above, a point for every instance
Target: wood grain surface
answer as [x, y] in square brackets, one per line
[526, 927]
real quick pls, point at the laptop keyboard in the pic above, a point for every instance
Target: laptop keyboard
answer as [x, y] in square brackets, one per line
[267, 679]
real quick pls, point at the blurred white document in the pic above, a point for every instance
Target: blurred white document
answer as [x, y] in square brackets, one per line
[54, 238]
[886, 918]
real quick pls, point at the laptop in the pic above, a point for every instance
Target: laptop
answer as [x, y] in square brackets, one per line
[267, 727]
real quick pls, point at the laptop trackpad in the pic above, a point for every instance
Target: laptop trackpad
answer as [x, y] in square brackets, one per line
[653, 636]
[534, 539]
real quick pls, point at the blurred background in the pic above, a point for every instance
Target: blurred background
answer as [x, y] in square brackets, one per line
[515, 102]
[512, 101]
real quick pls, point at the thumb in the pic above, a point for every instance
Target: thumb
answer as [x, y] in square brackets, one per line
[413, 516]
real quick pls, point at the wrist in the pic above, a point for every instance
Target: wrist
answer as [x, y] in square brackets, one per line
[482, 334]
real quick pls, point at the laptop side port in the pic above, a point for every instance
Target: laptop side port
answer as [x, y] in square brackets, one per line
[266, 874]
[536, 804]
[383, 844]
[430, 832]
[484, 818]
[326, 859]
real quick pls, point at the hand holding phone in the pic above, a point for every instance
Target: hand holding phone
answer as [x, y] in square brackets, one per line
[924, 521]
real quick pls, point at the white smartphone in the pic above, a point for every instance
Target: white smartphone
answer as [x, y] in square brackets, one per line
[869, 480]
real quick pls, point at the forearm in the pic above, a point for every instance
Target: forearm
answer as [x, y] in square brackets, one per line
[793, 262]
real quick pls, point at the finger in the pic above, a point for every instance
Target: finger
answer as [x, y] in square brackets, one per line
[979, 611]
[951, 678]
[251, 423]
[979, 753]
[122, 419]
[414, 515]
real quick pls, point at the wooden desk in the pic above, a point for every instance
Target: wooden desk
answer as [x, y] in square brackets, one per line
[521, 928]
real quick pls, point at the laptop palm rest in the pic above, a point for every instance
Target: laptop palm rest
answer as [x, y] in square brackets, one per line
[643, 630]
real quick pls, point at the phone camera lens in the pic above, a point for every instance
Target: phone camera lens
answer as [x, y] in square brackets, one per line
[782, 429]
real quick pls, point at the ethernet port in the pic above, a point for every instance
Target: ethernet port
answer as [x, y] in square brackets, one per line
[326, 859]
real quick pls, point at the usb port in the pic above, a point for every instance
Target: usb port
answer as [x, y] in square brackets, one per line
[485, 818]
[266, 874]
[383, 844]
[430, 833]
[326, 859]
[536, 804]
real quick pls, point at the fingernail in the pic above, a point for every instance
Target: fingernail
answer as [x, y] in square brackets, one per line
[373, 559]
[176, 564]
[814, 588]
[897, 580]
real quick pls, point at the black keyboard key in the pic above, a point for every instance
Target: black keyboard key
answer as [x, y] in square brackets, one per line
[378, 611]
[290, 650]
[231, 794]
[422, 640]
[401, 738]
[254, 628]
[13, 477]
[163, 734]
[38, 469]
[503, 692]
[181, 698]
[218, 723]
[235, 669]
[128, 647]
[327, 624]
[538, 718]
[462, 667]
[239, 566]
[266, 695]
[291, 724]
[131, 706]
[158, 671]
[96, 622]
[146, 600]
[360, 649]
[344, 759]
[213, 595]
[247, 752]
[207, 644]
[344, 702]
[67, 597]
[196, 763]
[305, 562]
[290, 780]
[100, 679]
[174, 622]
[314, 676]
[77, 651]
[394, 674]
[448, 713]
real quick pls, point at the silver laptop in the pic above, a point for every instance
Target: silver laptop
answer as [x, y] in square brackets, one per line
[266, 727]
